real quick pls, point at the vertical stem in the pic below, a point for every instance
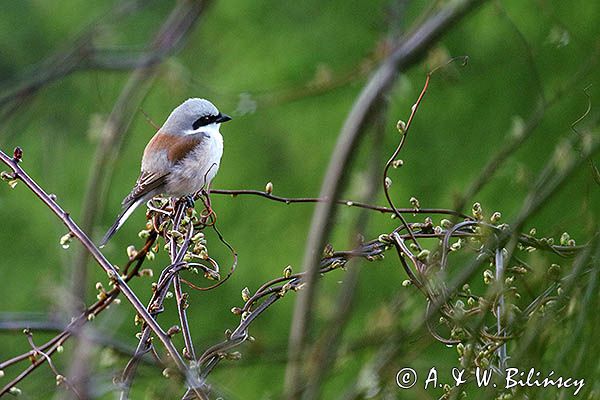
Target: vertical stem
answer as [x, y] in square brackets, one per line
[502, 353]
[109, 268]
[408, 52]
[185, 328]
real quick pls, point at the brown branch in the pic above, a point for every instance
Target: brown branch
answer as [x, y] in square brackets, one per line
[180, 297]
[170, 35]
[594, 169]
[348, 203]
[84, 55]
[47, 324]
[111, 271]
[323, 353]
[155, 306]
[53, 344]
[176, 222]
[270, 292]
[407, 53]
[60, 379]
[531, 124]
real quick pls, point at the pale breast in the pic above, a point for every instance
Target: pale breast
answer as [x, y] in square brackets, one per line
[198, 167]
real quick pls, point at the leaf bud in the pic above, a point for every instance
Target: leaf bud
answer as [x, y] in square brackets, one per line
[488, 276]
[477, 211]
[415, 203]
[401, 126]
[131, 252]
[388, 182]
[246, 294]
[495, 217]
[65, 240]
[236, 311]
[269, 187]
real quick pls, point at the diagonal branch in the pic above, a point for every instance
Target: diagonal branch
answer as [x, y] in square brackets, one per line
[410, 51]
[84, 55]
[348, 203]
[169, 37]
[113, 274]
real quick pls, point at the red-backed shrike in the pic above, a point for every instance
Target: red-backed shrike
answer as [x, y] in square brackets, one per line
[181, 159]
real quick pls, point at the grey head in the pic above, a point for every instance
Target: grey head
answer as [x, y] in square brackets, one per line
[192, 116]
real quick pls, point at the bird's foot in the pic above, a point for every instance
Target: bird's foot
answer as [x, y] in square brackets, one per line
[189, 201]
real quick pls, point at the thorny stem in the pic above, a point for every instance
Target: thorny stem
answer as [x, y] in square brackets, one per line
[179, 295]
[211, 357]
[53, 344]
[404, 132]
[349, 203]
[275, 289]
[408, 51]
[111, 271]
[155, 305]
[499, 264]
[60, 379]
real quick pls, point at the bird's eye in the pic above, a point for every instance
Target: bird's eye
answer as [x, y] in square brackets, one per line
[202, 121]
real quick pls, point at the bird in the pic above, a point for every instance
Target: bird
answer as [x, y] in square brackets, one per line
[181, 158]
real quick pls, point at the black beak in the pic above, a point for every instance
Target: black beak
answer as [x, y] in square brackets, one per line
[222, 118]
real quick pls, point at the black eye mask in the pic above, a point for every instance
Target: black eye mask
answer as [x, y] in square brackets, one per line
[203, 121]
[209, 119]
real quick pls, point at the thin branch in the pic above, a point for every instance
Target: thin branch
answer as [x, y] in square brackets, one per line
[16, 323]
[408, 53]
[155, 306]
[111, 271]
[84, 55]
[168, 38]
[327, 345]
[60, 379]
[518, 138]
[53, 344]
[348, 203]
[593, 167]
[404, 129]
[181, 298]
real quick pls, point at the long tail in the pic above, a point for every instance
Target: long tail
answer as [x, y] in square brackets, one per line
[127, 211]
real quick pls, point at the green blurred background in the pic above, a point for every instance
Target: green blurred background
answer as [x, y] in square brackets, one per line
[288, 72]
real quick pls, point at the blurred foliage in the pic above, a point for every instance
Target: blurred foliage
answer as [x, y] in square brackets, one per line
[275, 67]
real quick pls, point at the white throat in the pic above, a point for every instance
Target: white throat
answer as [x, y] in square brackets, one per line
[210, 130]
